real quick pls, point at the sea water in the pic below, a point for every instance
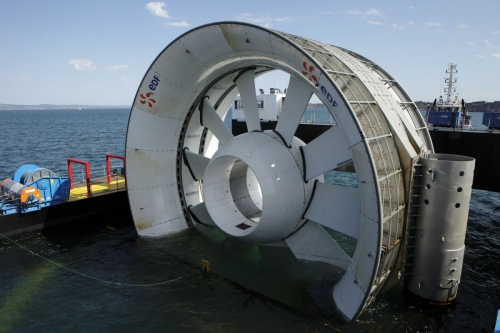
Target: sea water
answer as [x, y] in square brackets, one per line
[107, 279]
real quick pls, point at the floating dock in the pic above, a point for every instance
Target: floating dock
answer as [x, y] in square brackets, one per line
[98, 196]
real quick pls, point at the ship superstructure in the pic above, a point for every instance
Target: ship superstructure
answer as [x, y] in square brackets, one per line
[449, 111]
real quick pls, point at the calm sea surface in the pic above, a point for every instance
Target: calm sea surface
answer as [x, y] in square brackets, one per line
[39, 296]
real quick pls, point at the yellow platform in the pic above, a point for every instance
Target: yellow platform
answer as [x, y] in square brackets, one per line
[116, 184]
[100, 186]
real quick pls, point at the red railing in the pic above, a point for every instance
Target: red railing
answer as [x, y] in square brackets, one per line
[87, 173]
[108, 164]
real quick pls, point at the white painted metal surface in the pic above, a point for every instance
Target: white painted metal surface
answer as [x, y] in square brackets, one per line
[336, 207]
[327, 152]
[253, 187]
[201, 214]
[212, 121]
[196, 163]
[278, 179]
[298, 96]
[313, 243]
[246, 86]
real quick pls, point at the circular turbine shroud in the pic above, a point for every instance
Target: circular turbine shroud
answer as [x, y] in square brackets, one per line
[275, 210]
[174, 135]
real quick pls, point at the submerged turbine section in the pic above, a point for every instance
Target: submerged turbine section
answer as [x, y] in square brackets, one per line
[186, 169]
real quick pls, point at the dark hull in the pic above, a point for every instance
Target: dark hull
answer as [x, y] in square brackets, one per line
[483, 146]
[108, 209]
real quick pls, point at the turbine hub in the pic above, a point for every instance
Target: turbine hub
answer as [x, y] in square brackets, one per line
[253, 187]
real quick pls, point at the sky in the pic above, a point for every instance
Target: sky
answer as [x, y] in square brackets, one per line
[97, 52]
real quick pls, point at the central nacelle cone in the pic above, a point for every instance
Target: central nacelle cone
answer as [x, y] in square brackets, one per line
[254, 189]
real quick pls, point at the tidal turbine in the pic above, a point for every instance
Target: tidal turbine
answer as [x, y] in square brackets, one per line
[186, 169]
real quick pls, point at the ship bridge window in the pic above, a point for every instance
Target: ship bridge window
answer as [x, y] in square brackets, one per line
[239, 105]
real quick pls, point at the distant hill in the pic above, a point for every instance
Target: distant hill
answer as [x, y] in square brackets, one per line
[59, 107]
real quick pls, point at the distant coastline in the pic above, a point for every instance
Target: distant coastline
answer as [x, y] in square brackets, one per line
[479, 106]
[5, 107]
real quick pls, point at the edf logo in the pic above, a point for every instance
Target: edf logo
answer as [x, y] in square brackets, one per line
[329, 97]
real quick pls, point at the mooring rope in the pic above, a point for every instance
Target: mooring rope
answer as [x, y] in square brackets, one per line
[86, 275]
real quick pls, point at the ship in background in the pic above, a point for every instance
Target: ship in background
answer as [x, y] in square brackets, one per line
[449, 112]
[449, 124]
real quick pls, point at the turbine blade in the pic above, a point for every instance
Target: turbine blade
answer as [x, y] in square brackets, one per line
[327, 152]
[336, 207]
[196, 164]
[246, 87]
[214, 123]
[201, 215]
[348, 295]
[313, 243]
[297, 98]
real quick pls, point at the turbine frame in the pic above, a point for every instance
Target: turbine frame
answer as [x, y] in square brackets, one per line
[382, 126]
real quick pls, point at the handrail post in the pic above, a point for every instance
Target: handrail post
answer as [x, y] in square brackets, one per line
[87, 174]
[108, 168]
[70, 175]
[108, 164]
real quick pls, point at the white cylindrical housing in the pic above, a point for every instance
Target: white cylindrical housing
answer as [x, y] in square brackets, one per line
[253, 188]
[435, 248]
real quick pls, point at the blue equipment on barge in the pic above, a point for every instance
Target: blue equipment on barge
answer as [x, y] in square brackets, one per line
[32, 188]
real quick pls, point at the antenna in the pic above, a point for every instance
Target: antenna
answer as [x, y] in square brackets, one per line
[452, 69]
[440, 84]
